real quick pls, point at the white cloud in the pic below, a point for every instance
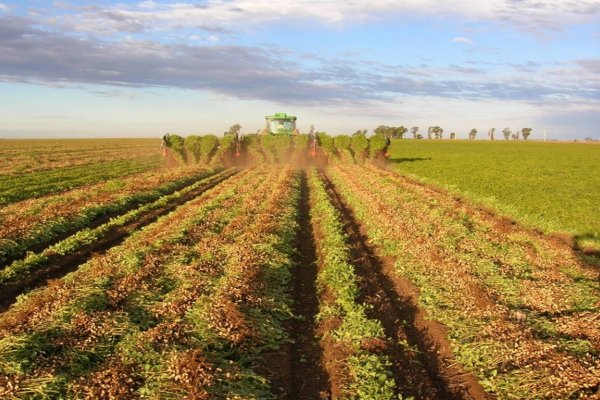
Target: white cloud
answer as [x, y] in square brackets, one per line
[463, 40]
[4, 8]
[229, 14]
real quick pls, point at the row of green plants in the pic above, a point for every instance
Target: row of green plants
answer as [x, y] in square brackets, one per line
[368, 372]
[19, 187]
[21, 269]
[519, 310]
[195, 149]
[355, 148]
[119, 324]
[276, 148]
[38, 222]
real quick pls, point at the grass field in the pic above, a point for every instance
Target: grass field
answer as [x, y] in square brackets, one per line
[552, 186]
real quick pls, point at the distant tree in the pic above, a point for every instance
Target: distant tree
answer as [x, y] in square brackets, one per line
[472, 134]
[414, 131]
[506, 132]
[429, 132]
[419, 136]
[382, 130]
[234, 130]
[399, 132]
[452, 135]
[437, 132]
[491, 133]
[517, 133]
[362, 132]
[526, 132]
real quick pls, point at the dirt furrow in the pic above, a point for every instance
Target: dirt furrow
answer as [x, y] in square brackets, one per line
[60, 265]
[423, 365]
[308, 378]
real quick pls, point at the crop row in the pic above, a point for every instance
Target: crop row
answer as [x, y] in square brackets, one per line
[38, 222]
[183, 308]
[521, 312]
[358, 369]
[19, 270]
[15, 188]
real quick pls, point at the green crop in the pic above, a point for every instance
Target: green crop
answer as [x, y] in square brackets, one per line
[553, 186]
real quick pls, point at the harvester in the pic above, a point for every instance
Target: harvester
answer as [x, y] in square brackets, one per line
[285, 124]
[280, 124]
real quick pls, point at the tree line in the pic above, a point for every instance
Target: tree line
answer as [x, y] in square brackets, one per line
[436, 132]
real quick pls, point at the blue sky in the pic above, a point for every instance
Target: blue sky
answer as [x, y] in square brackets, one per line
[130, 68]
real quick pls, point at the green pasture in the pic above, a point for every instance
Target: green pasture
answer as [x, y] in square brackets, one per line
[552, 186]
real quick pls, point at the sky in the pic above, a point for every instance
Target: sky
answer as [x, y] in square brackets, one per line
[144, 68]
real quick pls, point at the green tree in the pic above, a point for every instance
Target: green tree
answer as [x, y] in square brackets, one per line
[526, 132]
[360, 132]
[452, 135]
[383, 130]
[414, 130]
[472, 134]
[491, 133]
[506, 132]
[399, 132]
[234, 130]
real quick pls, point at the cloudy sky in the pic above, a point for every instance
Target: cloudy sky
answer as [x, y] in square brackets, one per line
[130, 68]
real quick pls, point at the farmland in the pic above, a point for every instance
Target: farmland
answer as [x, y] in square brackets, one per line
[551, 186]
[279, 278]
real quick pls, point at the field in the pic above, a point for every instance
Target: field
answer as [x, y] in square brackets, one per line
[551, 186]
[265, 277]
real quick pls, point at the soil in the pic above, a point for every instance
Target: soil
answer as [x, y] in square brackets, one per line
[58, 265]
[422, 359]
[308, 378]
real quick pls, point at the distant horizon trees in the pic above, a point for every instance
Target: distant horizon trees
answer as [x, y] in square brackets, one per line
[436, 132]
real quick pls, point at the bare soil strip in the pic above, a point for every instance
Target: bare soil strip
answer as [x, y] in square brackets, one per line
[422, 360]
[308, 378]
[59, 265]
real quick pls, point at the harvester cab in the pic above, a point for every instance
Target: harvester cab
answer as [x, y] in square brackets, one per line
[280, 124]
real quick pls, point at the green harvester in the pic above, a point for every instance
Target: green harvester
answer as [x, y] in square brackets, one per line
[280, 124]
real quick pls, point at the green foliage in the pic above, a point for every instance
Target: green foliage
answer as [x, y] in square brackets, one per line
[377, 145]
[208, 146]
[543, 185]
[226, 144]
[192, 146]
[343, 144]
[176, 144]
[326, 143]
[276, 147]
[360, 146]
